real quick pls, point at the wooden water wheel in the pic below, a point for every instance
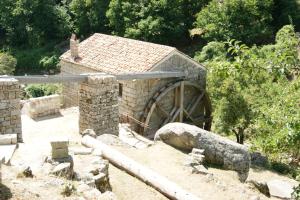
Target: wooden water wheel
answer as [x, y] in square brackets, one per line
[180, 101]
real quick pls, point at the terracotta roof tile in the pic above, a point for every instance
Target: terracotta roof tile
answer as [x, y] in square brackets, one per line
[113, 54]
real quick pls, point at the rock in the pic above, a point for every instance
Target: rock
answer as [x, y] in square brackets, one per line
[261, 186]
[64, 170]
[198, 151]
[93, 194]
[108, 195]
[27, 172]
[89, 132]
[102, 182]
[199, 169]
[259, 160]
[281, 189]
[217, 150]
[254, 198]
[82, 187]
[178, 135]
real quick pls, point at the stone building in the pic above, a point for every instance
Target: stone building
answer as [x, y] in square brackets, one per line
[114, 55]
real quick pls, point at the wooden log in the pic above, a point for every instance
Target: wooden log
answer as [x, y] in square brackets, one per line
[160, 183]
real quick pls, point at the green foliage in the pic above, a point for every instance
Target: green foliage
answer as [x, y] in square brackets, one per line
[39, 90]
[49, 62]
[7, 64]
[162, 21]
[296, 193]
[245, 20]
[256, 94]
[33, 22]
[42, 60]
[212, 51]
[285, 12]
[89, 16]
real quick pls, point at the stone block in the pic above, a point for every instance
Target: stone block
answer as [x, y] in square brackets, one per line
[59, 144]
[60, 153]
[8, 139]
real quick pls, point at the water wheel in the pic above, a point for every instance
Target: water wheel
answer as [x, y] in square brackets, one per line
[180, 101]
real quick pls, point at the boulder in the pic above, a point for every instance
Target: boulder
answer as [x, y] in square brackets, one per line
[217, 150]
[281, 189]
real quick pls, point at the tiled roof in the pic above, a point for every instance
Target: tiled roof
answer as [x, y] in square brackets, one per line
[113, 54]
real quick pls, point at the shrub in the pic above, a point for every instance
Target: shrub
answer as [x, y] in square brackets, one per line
[39, 90]
[7, 64]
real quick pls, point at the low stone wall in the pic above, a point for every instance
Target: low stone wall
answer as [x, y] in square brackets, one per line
[98, 105]
[10, 115]
[42, 106]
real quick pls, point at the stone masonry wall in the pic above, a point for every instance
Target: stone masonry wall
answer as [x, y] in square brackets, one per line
[98, 105]
[70, 91]
[42, 106]
[10, 114]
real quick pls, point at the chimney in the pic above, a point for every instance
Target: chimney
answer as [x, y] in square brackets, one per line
[74, 46]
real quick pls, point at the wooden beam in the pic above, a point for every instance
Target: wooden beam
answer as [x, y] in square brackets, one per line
[150, 75]
[83, 77]
[48, 79]
[181, 101]
[160, 183]
[159, 107]
[194, 104]
[175, 115]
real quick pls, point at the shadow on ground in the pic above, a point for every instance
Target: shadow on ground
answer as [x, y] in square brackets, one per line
[5, 192]
[48, 117]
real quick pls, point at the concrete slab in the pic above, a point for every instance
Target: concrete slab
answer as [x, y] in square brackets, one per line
[7, 152]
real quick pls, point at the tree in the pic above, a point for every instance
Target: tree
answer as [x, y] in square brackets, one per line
[89, 16]
[7, 64]
[162, 21]
[245, 20]
[33, 22]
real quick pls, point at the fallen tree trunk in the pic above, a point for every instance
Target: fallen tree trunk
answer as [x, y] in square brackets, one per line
[160, 183]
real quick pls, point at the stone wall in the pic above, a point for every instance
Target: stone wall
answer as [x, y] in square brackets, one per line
[70, 91]
[42, 106]
[10, 114]
[98, 105]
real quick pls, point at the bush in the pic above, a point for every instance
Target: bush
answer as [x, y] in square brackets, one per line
[7, 64]
[39, 90]
[245, 20]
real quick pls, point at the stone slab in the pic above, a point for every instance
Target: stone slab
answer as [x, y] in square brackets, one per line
[7, 139]
[281, 189]
[7, 152]
[60, 153]
[58, 144]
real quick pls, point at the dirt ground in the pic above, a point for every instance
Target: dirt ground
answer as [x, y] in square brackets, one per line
[163, 159]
